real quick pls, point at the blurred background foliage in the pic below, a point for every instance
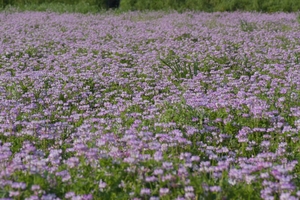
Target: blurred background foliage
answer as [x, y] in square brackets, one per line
[85, 6]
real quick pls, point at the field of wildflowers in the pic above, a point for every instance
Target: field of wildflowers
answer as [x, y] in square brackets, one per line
[149, 106]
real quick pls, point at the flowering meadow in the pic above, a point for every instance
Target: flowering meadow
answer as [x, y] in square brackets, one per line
[154, 105]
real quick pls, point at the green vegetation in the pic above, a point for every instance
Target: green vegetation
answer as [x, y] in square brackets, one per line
[213, 5]
[92, 6]
[61, 6]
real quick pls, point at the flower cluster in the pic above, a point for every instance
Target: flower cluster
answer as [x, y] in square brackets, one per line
[149, 105]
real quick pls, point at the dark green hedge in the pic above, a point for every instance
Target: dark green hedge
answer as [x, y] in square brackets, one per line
[213, 5]
[181, 5]
[22, 3]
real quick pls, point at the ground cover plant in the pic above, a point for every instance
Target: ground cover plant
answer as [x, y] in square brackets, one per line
[149, 106]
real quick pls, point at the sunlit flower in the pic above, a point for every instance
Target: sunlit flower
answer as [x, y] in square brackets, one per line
[102, 185]
[145, 191]
[163, 191]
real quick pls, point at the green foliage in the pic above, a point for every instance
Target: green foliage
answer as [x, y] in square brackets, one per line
[298, 20]
[213, 5]
[128, 4]
[247, 26]
[92, 6]
[180, 67]
[61, 6]
[195, 5]
[180, 113]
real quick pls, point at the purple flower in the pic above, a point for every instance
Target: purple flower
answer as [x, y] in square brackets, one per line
[189, 189]
[264, 175]
[145, 191]
[195, 158]
[287, 196]
[164, 191]
[102, 185]
[21, 186]
[189, 195]
[167, 165]
[35, 187]
[154, 198]
[49, 197]
[14, 193]
[33, 197]
[65, 175]
[151, 179]
[158, 172]
[215, 188]
[72, 162]
[249, 178]
[158, 156]
[69, 195]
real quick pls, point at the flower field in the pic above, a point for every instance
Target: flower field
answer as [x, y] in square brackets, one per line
[154, 105]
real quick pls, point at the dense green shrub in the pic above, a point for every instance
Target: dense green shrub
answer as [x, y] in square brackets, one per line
[125, 5]
[213, 5]
[37, 3]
